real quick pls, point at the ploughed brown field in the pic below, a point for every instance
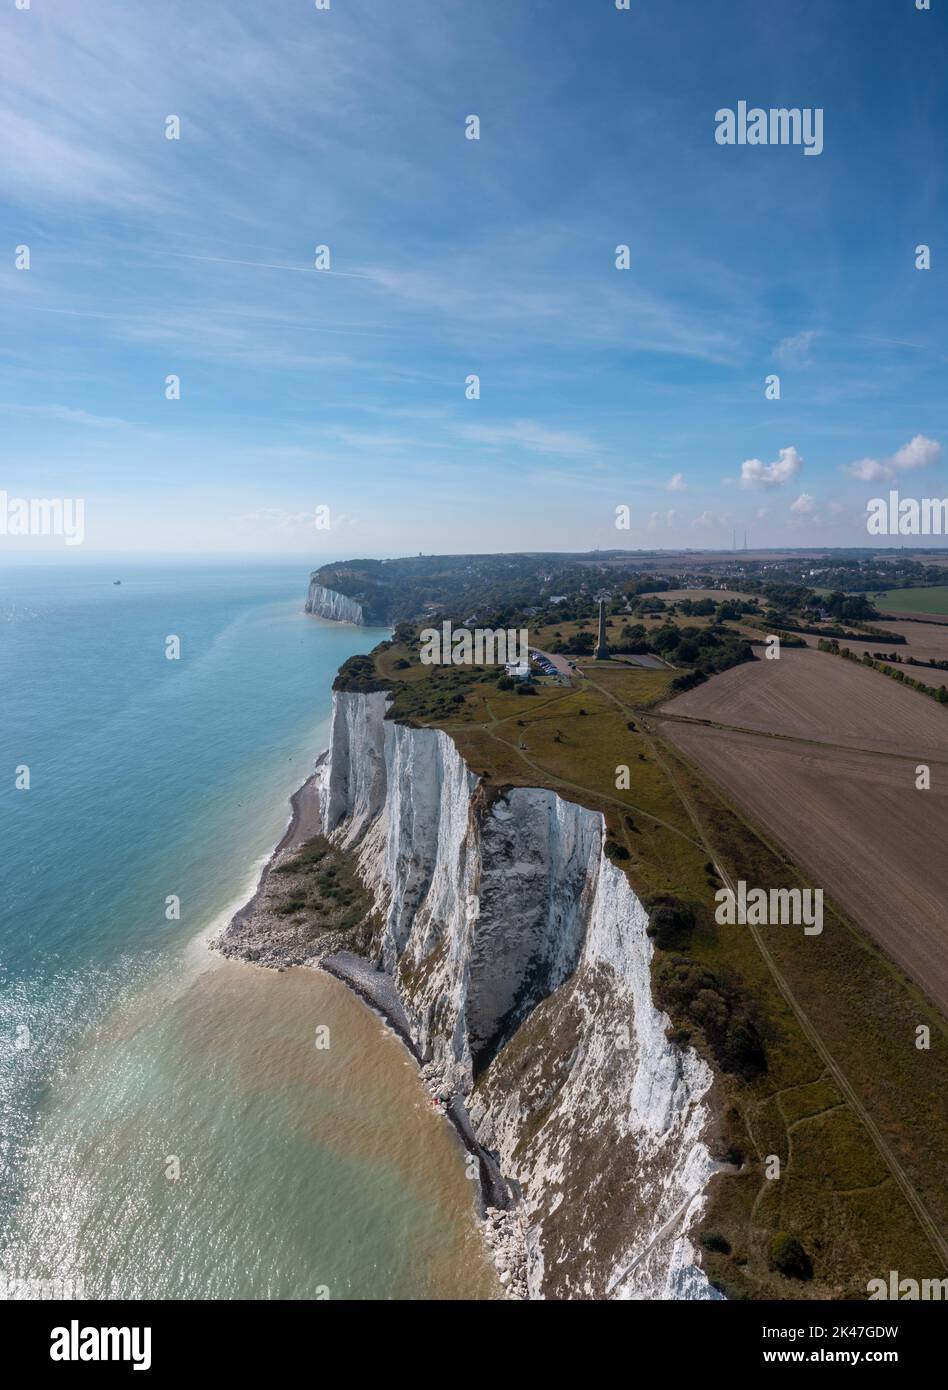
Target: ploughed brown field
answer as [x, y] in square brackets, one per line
[922, 640]
[853, 820]
[812, 695]
[857, 825]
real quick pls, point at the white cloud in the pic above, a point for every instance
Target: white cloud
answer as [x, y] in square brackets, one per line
[659, 522]
[919, 452]
[677, 483]
[705, 519]
[803, 506]
[867, 470]
[786, 466]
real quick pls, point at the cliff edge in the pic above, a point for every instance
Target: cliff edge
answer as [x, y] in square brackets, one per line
[520, 956]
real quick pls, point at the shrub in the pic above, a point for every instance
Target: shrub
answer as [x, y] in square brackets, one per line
[670, 922]
[713, 1240]
[734, 1293]
[687, 682]
[710, 1010]
[742, 1050]
[691, 993]
[789, 1258]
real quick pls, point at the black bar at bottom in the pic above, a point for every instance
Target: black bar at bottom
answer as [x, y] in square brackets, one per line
[277, 1337]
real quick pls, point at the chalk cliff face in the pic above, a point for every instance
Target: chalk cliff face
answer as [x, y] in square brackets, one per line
[520, 954]
[326, 603]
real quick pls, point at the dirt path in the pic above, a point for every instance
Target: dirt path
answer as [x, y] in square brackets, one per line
[925, 1219]
[549, 777]
[664, 716]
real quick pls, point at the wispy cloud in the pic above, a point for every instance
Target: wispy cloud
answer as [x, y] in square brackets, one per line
[66, 414]
[278, 519]
[795, 351]
[531, 435]
[264, 265]
[39, 163]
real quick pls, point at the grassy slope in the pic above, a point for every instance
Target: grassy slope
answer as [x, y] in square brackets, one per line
[930, 600]
[835, 1193]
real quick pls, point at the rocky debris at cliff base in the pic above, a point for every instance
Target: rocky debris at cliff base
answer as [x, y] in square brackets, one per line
[309, 903]
[506, 1238]
[504, 1229]
[371, 984]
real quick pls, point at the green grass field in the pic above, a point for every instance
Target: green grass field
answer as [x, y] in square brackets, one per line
[928, 600]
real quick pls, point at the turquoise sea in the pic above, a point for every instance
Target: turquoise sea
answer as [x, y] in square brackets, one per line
[168, 1127]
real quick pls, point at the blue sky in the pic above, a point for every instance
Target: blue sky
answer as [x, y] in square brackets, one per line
[599, 388]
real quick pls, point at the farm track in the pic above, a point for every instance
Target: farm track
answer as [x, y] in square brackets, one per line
[816, 697]
[914, 1199]
[544, 777]
[666, 717]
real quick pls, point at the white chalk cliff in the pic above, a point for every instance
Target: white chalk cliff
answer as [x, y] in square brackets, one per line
[327, 603]
[520, 954]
